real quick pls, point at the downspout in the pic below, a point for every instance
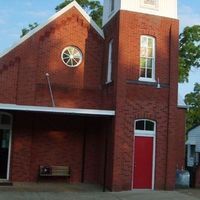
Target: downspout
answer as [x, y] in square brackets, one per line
[50, 90]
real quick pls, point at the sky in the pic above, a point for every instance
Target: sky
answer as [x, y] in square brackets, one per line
[17, 14]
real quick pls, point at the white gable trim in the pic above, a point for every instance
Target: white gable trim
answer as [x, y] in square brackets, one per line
[77, 111]
[55, 16]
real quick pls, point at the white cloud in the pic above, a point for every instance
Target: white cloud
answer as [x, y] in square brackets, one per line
[188, 16]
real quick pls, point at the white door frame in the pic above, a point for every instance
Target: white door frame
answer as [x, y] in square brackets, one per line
[144, 133]
[7, 127]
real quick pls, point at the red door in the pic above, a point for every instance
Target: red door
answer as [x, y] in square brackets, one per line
[143, 163]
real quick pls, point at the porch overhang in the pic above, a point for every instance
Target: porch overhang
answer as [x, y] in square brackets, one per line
[73, 111]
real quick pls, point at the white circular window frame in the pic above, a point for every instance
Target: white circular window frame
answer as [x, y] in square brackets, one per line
[80, 56]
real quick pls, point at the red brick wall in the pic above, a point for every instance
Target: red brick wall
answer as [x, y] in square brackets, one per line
[42, 139]
[135, 100]
[25, 66]
[180, 138]
[197, 177]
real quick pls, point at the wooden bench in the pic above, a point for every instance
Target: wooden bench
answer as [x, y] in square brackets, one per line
[54, 171]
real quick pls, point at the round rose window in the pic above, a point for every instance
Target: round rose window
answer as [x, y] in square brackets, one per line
[72, 56]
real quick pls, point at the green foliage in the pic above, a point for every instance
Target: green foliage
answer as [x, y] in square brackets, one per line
[93, 8]
[193, 101]
[189, 51]
[30, 27]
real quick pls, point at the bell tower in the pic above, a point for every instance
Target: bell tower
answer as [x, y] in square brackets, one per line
[141, 61]
[164, 8]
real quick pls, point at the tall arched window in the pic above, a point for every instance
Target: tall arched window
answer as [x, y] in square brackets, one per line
[147, 58]
[110, 62]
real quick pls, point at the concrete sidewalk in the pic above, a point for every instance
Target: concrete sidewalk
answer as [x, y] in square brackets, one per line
[86, 192]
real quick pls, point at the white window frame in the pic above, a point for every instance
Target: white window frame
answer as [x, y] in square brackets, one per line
[72, 58]
[145, 132]
[112, 6]
[152, 79]
[7, 127]
[110, 62]
[152, 134]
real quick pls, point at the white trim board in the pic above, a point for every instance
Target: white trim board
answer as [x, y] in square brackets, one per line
[55, 16]
[77, 111]
[183, 106]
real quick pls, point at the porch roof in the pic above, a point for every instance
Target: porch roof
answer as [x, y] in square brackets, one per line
[75, 111]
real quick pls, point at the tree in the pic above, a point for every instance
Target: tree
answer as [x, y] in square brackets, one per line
[30, 27]
[93, 8]
[193, 101]
[189, 51]
[189, 56]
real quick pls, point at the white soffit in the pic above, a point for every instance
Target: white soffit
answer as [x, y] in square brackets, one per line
[78, 111]
[55, 16]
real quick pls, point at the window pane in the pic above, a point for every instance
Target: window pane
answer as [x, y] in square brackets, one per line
[5, 119]
[109, 67]
[112, 5]
[150, 42]
[70, 62]
[5, 138]
[192, 151]
[149, 73]
[70, 50]
[149, 63]
[139, 125]
[149, 126]
[143, 52]
[150, 52]
[143, 62]
[142, 72]
[144, 42]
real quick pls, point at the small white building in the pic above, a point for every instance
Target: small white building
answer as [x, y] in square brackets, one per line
[193, 146]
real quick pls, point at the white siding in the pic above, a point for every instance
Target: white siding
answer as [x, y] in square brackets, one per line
[194, 136]
[193, 139]
[107, 15]
[167, 8]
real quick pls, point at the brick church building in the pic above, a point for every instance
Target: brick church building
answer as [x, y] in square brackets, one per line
[101, 101]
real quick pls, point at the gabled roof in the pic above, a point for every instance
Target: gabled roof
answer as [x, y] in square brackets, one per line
[52, 18]
[192, 128]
